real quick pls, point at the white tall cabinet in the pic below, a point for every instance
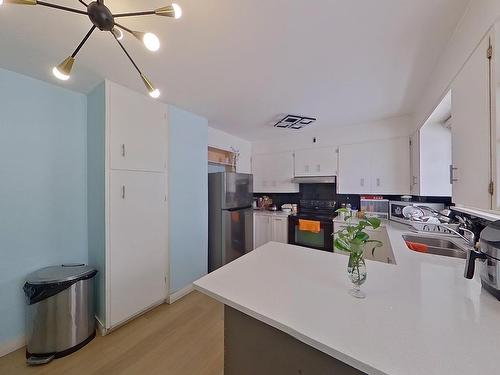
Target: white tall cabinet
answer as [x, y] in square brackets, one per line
[131, 252]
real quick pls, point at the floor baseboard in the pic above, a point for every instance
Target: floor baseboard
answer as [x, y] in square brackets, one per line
[179, 294]
[12, 345]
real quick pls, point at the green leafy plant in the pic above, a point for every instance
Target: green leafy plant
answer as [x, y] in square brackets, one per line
[352, 238]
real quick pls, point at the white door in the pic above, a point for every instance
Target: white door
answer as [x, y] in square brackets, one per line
[354, 175]
[138, 130]
[137, 268]
[262, 229]
[280, 229]
[415, 163]
[390, 166]
[470, 106]
[316, 162]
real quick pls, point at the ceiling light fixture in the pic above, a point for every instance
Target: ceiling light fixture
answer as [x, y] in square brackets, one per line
[102, 18]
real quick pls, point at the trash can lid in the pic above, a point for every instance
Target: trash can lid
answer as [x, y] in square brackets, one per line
[59, 274]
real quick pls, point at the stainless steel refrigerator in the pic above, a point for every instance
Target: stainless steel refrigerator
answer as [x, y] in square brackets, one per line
[230, 217]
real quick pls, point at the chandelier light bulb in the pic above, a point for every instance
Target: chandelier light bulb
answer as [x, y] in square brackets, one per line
[155, 94]
[1, 2]
[151, 42]
[177, 11]
[59, 75]
[63, 70]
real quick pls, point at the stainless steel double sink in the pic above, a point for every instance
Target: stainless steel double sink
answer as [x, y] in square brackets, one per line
[438, 245]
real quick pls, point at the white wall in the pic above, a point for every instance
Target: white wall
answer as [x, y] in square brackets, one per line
[435, 160]
[480, 16]
[335, 136]
[224, 141]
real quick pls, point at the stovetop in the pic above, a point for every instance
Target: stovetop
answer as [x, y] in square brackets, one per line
[317, 210]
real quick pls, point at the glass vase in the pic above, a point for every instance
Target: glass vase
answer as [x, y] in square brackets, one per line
[356, 269]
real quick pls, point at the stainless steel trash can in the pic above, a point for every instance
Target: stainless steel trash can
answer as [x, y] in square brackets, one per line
[60, 313]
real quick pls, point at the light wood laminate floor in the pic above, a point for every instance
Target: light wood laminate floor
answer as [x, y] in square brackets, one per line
[185, 338]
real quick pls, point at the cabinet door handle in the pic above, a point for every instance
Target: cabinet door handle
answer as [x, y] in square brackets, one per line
[123, 191]
[452, 174]
[318, 168]
[123, 150]
[414, 180]
[378, 181]
[306, 168]
[362, 182]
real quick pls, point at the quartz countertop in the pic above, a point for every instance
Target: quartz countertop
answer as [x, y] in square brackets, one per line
[271, 213]
[420, 317]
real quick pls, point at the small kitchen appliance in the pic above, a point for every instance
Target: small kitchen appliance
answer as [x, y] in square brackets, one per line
[489, 257]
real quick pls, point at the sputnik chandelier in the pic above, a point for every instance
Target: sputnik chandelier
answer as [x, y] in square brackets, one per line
[102, 19]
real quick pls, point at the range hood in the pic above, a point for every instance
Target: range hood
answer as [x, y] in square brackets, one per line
[315, 180]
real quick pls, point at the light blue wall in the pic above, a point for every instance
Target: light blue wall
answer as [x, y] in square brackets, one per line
[42, 187]
[96, 125]
[188, 197]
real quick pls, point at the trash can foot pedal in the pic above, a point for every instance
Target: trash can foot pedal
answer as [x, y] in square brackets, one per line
[36, 361]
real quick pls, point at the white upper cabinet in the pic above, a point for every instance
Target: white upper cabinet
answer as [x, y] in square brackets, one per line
[390, 166]
[273, 173]
[379, 167]
[471, 131]
[316, 162]
[415, 163]
[138, 130]
[354, 175]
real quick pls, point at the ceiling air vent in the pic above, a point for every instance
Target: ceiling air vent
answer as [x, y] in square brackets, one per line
[294, 122]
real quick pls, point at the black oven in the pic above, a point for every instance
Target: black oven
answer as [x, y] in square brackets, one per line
[320, 241]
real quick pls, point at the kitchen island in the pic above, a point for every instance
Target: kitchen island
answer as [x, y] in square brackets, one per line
[420, 316]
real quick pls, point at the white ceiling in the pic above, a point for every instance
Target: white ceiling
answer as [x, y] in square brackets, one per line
[243, 63]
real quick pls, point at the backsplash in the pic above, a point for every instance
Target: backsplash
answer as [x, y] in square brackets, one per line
[329, 192]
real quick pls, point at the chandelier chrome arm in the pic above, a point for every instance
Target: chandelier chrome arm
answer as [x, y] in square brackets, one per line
[128, 55]
[84, 40]
[60, 7]
[83, 3]
[134, 14]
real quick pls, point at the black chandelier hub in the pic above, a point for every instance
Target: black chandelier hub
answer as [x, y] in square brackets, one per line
[101, 16]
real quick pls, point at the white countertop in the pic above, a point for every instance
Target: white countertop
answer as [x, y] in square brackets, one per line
[420, 316]
[271, 213]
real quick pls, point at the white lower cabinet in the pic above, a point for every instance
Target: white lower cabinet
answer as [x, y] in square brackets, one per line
[279, 229]
[137, 243]
[382, 254]
[269, 228]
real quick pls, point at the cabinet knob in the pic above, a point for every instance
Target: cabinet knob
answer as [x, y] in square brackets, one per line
[123, 192]
[123, 150]
[378, 181]
[318, 168]
[362, 182]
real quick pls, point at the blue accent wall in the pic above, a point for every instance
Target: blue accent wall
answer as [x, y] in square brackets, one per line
[42, 187]
[96, 139]
[188, 197]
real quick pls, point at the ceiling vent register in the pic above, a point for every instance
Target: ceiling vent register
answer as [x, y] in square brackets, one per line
[294, 122]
